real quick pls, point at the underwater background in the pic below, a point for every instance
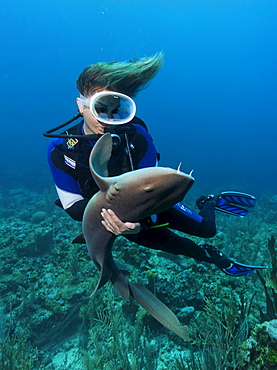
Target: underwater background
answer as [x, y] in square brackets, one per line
[211, 107]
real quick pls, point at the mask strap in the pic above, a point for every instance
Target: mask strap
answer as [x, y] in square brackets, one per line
[84, 100]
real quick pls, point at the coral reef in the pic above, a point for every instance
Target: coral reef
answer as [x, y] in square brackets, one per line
[270, 284]
[48, 320]
[260, 350]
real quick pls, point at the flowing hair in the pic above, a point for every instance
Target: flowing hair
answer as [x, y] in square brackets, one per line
[126, 77]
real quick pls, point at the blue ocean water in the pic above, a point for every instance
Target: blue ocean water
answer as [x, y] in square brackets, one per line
[212, 106]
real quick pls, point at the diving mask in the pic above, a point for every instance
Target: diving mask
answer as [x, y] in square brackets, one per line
[110, 107]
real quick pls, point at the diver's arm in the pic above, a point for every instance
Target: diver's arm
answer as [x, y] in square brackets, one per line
[76, 211]
[70, 196]
[71, 200]
[113, 224]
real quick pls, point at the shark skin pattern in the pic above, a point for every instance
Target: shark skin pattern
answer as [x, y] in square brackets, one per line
[132, 196]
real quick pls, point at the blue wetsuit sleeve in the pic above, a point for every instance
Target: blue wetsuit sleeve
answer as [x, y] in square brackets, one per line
[62, 180]
[150, 157]
[67, 187]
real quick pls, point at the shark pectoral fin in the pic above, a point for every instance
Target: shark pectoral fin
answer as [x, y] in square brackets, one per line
[158, 310]
[105, 276]
[99, 247]
[79, 239]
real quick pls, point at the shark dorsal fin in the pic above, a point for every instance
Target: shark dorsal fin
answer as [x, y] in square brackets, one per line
[98, 160]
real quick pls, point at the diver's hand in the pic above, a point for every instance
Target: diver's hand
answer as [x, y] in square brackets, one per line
[113, 224]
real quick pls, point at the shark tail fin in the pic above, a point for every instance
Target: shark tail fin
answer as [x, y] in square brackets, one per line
[158, 310]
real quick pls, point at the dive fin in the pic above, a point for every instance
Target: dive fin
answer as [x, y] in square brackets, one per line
[239, 269]
[234, 203]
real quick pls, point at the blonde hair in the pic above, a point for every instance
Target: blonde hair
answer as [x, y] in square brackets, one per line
[126, 77]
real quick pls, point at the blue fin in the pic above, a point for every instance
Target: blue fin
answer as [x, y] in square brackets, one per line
[234, 203]
[239, 269]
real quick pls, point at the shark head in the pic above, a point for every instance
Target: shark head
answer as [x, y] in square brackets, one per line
[147, 191]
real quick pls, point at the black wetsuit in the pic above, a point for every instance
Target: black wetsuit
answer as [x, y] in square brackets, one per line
[68, 162]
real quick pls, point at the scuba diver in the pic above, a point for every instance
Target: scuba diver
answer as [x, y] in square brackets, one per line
[105, 105]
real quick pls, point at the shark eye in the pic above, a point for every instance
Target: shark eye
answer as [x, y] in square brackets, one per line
[148, 188]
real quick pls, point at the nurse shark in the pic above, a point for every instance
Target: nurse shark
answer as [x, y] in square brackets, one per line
[132, 196]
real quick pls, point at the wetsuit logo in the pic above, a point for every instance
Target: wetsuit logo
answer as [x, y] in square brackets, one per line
[70, 162]
[71, 143]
